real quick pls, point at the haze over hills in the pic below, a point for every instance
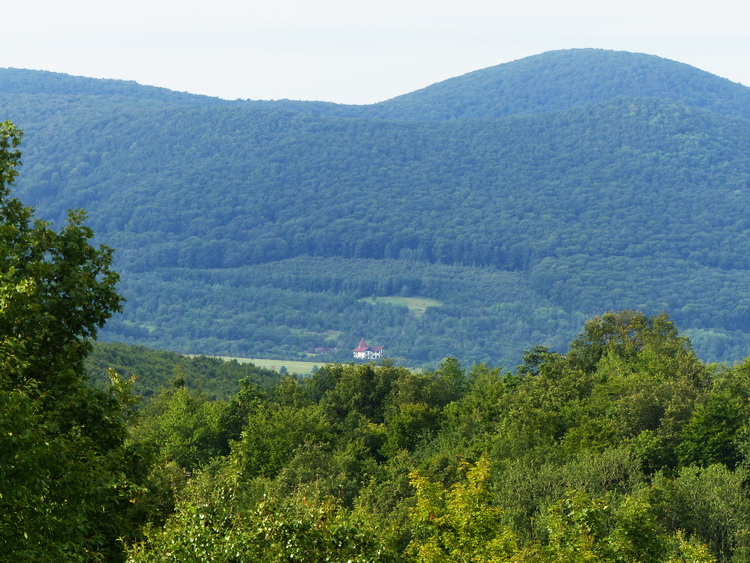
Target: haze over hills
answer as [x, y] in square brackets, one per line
[555, 81]
[520, 200]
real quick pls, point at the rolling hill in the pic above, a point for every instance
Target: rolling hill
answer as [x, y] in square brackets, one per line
[520, 199]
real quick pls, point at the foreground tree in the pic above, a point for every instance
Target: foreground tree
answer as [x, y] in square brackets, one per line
[67, 482]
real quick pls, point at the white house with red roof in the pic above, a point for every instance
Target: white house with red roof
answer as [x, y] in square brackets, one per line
[365, 352]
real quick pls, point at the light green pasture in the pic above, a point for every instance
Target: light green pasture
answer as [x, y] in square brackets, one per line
[292, 366]
[416, 305]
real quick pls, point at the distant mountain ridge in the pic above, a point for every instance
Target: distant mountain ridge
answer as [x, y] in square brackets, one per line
[560, 80]
[550, 81]
[553, 81]
[523, 197]
[22, 81]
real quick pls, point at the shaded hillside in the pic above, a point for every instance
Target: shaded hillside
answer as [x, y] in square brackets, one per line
[626, 186]
[300, 304]
[36, 82]
[552, 81]
[156, 370]
[561, 80]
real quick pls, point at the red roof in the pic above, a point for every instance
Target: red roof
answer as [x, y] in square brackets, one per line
[363, 347]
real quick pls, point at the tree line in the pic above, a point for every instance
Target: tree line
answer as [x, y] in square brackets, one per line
[626, 447]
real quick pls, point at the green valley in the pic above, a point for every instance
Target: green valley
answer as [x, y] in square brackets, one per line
[624, 446]
[524, 198]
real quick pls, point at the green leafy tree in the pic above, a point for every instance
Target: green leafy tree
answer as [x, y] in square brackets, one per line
[357, 389]
[273, 434]
[182, 426]
[460, 524]
[711, 436]
[632, 335]
[709, 503]
[612, 529]
[67, 481]
[221, 518]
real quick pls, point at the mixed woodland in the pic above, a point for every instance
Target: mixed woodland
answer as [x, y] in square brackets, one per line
[523, 199]
[620, 442]
[627, 447]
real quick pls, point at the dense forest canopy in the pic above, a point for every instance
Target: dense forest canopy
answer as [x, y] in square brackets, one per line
[66, 473]
[523, 198]
[626, 447]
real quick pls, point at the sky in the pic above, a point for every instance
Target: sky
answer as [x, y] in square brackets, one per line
[349, 51]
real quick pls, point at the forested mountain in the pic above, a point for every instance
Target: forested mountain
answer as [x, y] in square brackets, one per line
[474, 235]
[519, 199]
[556, 81]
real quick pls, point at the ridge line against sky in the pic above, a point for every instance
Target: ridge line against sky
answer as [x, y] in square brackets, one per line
[346, 52]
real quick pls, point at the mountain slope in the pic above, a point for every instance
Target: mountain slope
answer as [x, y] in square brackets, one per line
[552, 81]
[266, 228]
[37, 82]
[561, 80]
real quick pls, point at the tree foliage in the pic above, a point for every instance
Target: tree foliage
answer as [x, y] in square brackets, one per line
[68, 480]
[625, 448]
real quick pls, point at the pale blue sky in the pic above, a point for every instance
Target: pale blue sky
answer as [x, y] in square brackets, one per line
[347, 51]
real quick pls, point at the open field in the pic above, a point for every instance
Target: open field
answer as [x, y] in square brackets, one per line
[292, 366]
[416, 305]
